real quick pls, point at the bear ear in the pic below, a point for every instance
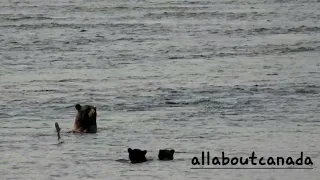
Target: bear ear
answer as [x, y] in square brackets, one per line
[172, 151]
[129, 149]
[144, 152]
[78, 107]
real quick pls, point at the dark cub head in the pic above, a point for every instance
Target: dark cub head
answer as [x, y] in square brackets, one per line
[86, 116]
[137, 155]
[166, 154]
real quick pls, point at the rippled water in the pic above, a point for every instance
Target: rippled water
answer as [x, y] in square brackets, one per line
[232, 76]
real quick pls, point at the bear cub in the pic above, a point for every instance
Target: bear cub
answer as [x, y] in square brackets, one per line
[137, 155]
[166, 154]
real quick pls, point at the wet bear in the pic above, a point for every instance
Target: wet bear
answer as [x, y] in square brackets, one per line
[137, 155]
[86, 119]
[166, 154]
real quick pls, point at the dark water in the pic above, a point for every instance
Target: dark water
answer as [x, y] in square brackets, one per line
[232, 76]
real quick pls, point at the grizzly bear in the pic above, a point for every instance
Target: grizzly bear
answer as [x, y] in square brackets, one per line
[165, 154]
[137, 155]
[86, 119]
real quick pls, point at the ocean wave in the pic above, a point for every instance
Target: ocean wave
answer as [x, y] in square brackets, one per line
[77, 25]
[21, 17]
[273, 30]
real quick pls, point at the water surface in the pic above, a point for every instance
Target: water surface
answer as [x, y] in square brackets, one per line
[232, 76]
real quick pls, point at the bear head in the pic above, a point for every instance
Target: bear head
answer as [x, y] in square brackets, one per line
[86, 119]
[137, 155]
[166, 154]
